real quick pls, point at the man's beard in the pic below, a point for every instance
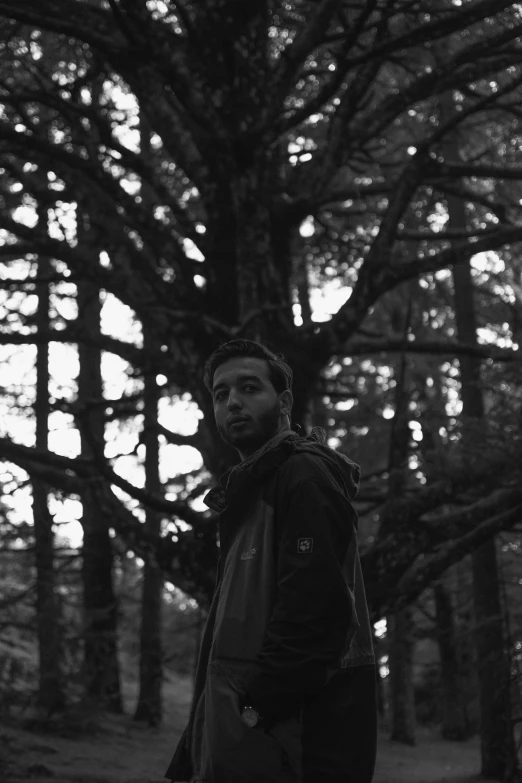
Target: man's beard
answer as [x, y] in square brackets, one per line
[257, 433]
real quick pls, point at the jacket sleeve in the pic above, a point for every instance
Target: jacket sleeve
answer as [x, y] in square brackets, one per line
[314, 604]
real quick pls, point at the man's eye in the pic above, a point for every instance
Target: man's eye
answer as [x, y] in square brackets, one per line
[250, 387]
[219, 395]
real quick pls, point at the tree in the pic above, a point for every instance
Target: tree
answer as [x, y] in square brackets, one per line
[264, 118]
[453, 705]
[400, 624]
[497, 745]
[51, 696]
[497, 740]
[151, 656]
[151, 659]
[102, 678]
[448, 591]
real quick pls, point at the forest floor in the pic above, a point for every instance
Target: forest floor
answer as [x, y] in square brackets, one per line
[117, 750]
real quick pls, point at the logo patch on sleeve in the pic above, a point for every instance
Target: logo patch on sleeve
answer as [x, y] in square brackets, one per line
[305, 545]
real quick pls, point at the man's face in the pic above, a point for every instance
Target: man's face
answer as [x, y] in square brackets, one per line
[247, 408]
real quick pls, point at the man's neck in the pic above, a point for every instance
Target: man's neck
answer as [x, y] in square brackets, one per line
[246, 454]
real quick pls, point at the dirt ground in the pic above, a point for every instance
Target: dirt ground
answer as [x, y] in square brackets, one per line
[120, 751]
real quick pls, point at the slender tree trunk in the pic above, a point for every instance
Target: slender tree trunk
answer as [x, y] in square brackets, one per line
[400, 624]
[301, 280]
[453, 710]
[402, 692]
[468, 654]
[99, 600]
[50, 686]
[496, 728]
[454, 676]
[151, 665]
[381, 696]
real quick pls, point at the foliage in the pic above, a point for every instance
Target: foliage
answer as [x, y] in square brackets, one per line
[228, 162]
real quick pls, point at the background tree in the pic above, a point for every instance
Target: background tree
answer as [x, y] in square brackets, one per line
[493, 664]
[50, 694]
[455, 725]
[401, 624]
[99, 600]
[151, 664]
[151, 657]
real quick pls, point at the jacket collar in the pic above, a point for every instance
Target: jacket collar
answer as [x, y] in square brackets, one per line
[263, 461]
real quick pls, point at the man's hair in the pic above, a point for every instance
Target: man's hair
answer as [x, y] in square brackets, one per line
[279, 372]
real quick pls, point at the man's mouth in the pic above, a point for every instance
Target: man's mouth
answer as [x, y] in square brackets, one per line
[235, 422]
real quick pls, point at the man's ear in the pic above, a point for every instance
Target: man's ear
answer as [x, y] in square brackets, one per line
[285, 403]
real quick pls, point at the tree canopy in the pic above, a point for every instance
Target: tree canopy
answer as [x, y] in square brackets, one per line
[222, 159]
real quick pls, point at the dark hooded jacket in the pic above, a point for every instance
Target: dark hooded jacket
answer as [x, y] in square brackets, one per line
[288, 612]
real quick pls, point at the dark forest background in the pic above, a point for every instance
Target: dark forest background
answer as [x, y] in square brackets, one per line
[214, 167]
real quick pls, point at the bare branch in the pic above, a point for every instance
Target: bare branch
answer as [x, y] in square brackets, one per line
[455, 19]
[75, 334]
[157, 503]
[435, 347]
[87, 22]
[428, 568]
[70, 474]
[179, 440]
[458, 253]
[455, 169]
[373, 282]
[305, 43]
[443, 236]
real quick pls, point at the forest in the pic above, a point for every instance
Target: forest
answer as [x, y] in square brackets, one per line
[340, 180]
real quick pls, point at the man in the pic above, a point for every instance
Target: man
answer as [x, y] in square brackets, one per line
[286, 683]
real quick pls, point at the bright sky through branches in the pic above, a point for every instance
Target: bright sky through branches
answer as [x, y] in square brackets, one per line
[17, 376]
[328, 291]
[17, 373]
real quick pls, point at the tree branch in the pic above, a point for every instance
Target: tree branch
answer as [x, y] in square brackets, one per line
[73, 334]
[87, 22]
[435, 347]
[456, 19]
[305, 43]
[441, 236]
[458, 253]
[456, 169]
[149, 500]
[177, 439]
[188, 562]
[428, 568]
[372, 282]
[71, 474]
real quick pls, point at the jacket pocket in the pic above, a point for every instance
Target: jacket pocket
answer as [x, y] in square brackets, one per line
[237, 753]
[288, 734]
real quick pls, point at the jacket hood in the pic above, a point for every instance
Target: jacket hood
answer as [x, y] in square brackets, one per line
[275, 451]
[347, 470]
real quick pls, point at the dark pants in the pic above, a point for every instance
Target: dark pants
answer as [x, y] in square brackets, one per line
[340, 729]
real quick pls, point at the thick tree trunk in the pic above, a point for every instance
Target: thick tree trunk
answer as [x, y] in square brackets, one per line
[50, 687]
[453, 709]
[151, 667]
[99, 600]
[400, 625]
[496, 728]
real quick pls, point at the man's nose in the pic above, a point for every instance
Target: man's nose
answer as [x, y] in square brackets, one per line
[234, 401]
